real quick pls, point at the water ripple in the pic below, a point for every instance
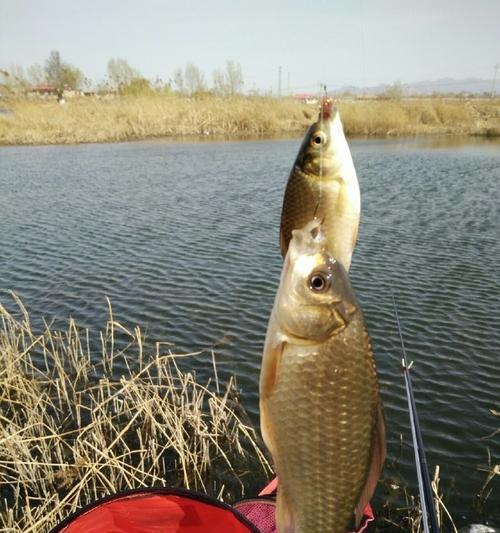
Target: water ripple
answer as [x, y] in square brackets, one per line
[184, 240]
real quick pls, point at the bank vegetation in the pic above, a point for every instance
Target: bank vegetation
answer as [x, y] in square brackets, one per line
[74, 428]
[144, 116]
[83, 416]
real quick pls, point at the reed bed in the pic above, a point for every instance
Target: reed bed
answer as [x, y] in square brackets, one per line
[110, 119]
[70, 432]
[83, 120]
[421, 117]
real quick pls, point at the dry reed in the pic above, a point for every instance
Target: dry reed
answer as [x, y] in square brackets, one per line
[421, 116]
[408, 517]
[70, 432]
[126, 118]
[90, 119]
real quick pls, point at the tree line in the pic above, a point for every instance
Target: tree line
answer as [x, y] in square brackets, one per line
[55, 72]
[122, 78]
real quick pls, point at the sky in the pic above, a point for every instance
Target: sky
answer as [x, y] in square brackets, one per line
[337, 43]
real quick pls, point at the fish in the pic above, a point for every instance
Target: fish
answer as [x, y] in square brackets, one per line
[323, 184]
[320, 408]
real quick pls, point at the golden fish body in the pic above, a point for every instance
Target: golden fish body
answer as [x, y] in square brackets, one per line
[319, 397]
[323, 184]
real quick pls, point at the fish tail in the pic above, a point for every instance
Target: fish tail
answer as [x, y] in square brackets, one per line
[284, 515]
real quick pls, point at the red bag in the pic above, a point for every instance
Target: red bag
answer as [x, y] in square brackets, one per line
[156, 510]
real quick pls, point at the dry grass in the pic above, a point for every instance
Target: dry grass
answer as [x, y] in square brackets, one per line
[408, 517]
[70, 432]
[140, 117]
[421, 116]
[399, 507]
[124, 118]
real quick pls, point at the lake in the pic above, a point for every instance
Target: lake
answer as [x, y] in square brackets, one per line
[183, 238]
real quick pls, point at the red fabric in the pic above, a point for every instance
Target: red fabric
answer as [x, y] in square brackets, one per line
[156, 513]
[258, 514]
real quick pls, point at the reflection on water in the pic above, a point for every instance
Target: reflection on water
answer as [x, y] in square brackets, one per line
[184, 240]
[427, 142]
[457, 141]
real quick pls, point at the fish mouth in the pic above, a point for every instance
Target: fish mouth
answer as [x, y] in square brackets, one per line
[328, 110]
[316, 230]
[308, 238]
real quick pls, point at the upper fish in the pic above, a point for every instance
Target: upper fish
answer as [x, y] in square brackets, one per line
[323, 185]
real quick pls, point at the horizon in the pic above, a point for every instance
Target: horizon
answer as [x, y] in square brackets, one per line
[360, 43]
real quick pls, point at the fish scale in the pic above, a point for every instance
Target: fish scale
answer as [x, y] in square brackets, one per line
[328, 441]
[320, 408]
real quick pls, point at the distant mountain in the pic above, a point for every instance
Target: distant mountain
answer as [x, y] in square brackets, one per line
[427, 87]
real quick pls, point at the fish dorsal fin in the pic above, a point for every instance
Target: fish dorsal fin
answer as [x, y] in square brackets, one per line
[376, 465]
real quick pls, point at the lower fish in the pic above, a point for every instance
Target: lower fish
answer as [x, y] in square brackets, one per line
[320, 409]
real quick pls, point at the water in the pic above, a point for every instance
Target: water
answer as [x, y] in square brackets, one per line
[183, 238]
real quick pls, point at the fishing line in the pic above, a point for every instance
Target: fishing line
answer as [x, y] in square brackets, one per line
[321, 122]
[322, 102]
[424, 483]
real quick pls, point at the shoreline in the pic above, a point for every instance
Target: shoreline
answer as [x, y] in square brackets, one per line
[84, 120]
[433, 139]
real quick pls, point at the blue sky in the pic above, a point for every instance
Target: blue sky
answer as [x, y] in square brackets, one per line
[359, 42]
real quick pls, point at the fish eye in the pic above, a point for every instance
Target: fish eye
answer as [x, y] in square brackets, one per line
[319, 282]
[318, 139]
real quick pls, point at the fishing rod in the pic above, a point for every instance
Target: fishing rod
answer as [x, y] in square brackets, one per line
[429, 518]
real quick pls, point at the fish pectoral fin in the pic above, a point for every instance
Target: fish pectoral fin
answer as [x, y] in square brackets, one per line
[268, 379]
[266, 429]
[284, 516]
[269, 371]
[376, 465]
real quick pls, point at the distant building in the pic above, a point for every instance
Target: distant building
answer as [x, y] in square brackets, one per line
[307, 98]
[43, 89]
[46, 89]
